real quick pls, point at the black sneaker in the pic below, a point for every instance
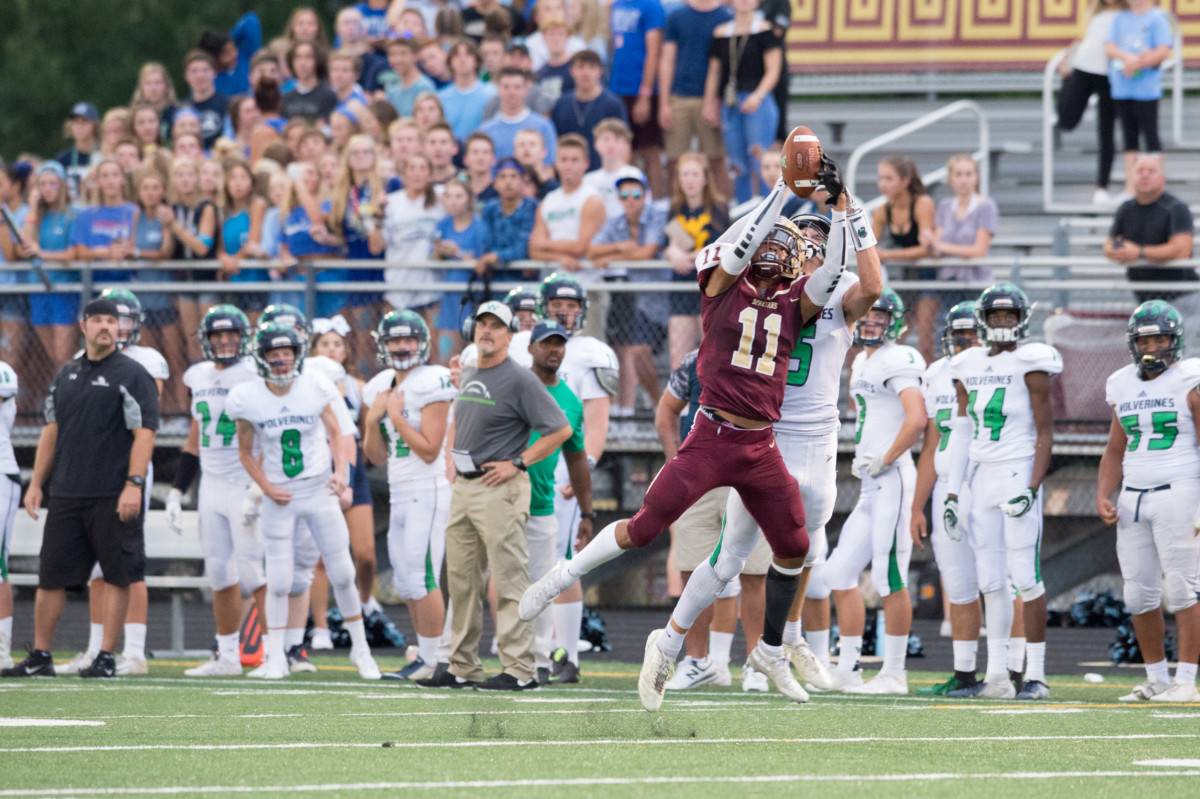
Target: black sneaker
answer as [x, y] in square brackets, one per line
[104, 666]
[445, 680]
[564, 672]
[506, 682]
[38, 664]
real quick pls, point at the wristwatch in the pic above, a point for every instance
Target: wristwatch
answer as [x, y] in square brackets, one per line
[519, 462]
[137, 480]
[590, 515]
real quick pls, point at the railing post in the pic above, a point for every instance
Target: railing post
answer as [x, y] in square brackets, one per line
[1062, 248]
[85, 279]
[310, 290]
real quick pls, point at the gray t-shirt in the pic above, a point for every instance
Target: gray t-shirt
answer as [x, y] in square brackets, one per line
[497, 407]
[982, 214]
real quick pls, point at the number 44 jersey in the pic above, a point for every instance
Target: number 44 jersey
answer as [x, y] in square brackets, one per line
[1160, 435]
[998, 401]
[294, 444]
[210, 387]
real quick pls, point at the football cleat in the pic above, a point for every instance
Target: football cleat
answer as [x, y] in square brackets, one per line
[298, 660]
[444, 679]
[944, 688]
[269, 670]
[657, 669]
[321, 639]
[754, 681]
[129, 665]
[1178, 692]
[543, 673]
[808, 667]
[77, 663]
[417, 670]
[883, 684]
[104, 667]
[217, 667]
[1000, 688]
[538, 596]
[365, 663]
[692, 673]
[38, 664]
[1145, 692]
[1034, 689]
[506, 682]
[843, 681]
[779, 669]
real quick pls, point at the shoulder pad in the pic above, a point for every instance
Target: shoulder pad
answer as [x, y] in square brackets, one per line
[326, 367]
[1040, 358]
[903, 361]
[469, 356]
[595, 353]
[962, 361]
[429, 379]
[1121, 377]
[323, 383]
[196, 372]
[376, 385]
[1189, 372]
[608, 378]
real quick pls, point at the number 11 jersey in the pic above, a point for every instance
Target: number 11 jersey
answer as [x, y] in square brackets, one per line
[209, 388]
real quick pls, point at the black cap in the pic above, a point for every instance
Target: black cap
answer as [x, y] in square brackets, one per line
[545, 328]
[101, 306]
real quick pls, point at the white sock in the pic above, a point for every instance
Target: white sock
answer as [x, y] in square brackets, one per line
[1184, 673]
[443, 650]
[135, 641]
[719, 645]
[600, 550]
[6, 627]
[293, 636]
[702, 589]
[568, 617]
[997, 609]
[850, 647]
[792, 632]
[358, 635]
[227, 648]
[95, 637]
[273, 645]
[818, 642]
[1036, 668]
[671, 642]
[1158, 672]
[371, 606]
[895, 652]
[1016, 655]
[428, 646]
[965, 655]
[266, 644]
[770, 651]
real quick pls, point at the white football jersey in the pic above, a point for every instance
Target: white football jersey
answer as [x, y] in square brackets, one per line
[815, 369]
[1159, 430]
[8, 417]
[294, 442]
[423, 385]
[941, 405]
[209, 388]
[998, 400]
[875, 386]
[335, 373]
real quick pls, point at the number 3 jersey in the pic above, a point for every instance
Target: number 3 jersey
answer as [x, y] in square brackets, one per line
[875, 386]
[998, 401]
[1160, 434]
[747, 341]
[289, 428]
[941, 405]
[423, 385]
[209, 388]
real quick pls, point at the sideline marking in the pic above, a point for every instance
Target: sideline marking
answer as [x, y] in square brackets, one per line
[1169, 762]
[19, 722]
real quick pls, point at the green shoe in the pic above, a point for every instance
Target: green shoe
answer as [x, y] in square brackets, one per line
[941, 689]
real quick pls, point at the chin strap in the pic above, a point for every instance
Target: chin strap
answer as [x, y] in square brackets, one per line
[736, 246]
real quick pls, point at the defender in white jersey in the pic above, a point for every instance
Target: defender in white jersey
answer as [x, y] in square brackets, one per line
[1152, 444]
[955, 558]
[10, 500]
[404, 427]
[1005, 391]
[885, 388]
[300, 475]
[232, 559]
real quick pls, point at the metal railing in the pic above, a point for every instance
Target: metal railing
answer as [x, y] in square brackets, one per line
[981, 155]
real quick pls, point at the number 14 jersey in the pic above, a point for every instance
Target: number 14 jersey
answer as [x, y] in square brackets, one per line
[1160, 435]
[209, 388]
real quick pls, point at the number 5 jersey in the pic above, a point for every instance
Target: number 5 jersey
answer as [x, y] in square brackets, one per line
[1160, 437]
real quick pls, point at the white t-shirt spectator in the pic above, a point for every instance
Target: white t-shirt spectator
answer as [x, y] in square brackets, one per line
[408, 227]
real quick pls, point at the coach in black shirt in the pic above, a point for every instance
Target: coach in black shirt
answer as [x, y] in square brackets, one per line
[101, 415]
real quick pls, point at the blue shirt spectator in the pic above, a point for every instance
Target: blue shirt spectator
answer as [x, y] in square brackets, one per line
[507, 235]
[100, 226]
[464, 107]
[581, 110]
[374, 20]
[692, 32]
[248, 38]
[470, 244]
[1136, 34]
[503, 130]
[630, 21]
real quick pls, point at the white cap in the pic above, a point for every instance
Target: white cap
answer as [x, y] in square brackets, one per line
[496, 308]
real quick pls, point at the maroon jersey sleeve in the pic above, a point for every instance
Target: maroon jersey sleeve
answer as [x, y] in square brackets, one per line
[745, 345]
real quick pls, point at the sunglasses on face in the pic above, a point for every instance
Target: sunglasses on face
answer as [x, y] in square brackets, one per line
[626, 194]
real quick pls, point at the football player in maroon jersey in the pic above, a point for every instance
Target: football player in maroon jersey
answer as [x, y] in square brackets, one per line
[754, 302]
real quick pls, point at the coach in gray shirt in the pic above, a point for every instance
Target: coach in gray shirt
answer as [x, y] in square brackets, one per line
[499, 403]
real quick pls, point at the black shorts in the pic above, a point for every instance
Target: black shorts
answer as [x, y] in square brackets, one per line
[649, 134]
[627, 324]
[83, 531]
[359, 486]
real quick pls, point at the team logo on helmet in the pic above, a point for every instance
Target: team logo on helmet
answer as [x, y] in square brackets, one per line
[1155, 318]
[402, 324]
[1003, 296]
[220, 318]
[274, 336]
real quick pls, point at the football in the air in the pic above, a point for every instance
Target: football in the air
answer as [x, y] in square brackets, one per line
[801, 161]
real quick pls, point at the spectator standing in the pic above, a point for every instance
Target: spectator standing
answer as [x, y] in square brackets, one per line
[465, 98]
[570, 216]
[374, 19]
[304, 25]
[434, 63]
[529, 147]
[535, 43]
[508, 220]
[682, 73]
[154, 87]
[101, 415]
[1139, 42]
[517, 56]
[636, 320]
[589, 21]
[588, 104]
[14, 314]
[554, 76]
[427, 111]
[963, 227]
[610, 140]
[311, 96]
[47, 235]
[514, 115]
[345, 69]
[114, 128]
[194, 228]
[241, 236]
[232, 51]
[1154, 227]
[637, 32]
[479, 159]
[441, 147]
[200, 74]
[458, 236]
[358, 196]
[475, 15]
[744, 64]
[147, 128]
[83, 128]
[103, 231]
[306, 237]
[1084, 73]
[500, 405]
[408, 81]
[779, 14]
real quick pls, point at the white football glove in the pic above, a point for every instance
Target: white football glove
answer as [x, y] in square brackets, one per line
[251, 509]
[175, 511]
[873, 464]
[950, 519]
[1020, 504]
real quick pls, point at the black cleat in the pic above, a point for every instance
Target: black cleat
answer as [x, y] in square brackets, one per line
[445, 679]
[104, 667]
[506, 682]
[38, 664]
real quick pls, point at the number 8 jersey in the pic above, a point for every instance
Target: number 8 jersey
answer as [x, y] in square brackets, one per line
[1160, 435]
[998, 401]
[210, 388]
[294, 443]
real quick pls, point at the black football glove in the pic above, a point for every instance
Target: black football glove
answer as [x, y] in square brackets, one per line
[831, 176]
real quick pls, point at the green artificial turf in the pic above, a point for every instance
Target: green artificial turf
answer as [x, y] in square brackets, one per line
[333, 734]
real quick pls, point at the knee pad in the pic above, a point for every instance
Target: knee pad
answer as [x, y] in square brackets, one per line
[1035, 591]
[301, 581]
[410, 585]
[340, 569]
[1181, 594]
[817, 587]
[728, 566]
[251, 576]
[732, 590]
[221, 573]
[279, 576]
[1141, 598]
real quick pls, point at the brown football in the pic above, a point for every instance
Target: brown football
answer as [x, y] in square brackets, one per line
[801, 161]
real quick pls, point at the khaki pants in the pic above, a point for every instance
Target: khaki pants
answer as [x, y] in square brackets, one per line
[487, 529]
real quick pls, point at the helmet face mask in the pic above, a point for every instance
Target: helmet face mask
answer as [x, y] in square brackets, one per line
[890, 329]
[961, 331]
[525, 305]
[214, 334]
[780, 256]
[563, 287]
[397, 327]
[1148, 321]
[1003, 297]
[290, 315]
[272, 338]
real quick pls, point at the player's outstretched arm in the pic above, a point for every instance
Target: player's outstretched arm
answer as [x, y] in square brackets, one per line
[733, 249]
[1110, 474]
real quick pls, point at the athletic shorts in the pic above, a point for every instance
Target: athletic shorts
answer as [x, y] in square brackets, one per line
[83, 531]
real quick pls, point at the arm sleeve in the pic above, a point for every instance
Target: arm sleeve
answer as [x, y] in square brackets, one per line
[680, 384]
[734, 248]
[1181, 219]
[899, 384]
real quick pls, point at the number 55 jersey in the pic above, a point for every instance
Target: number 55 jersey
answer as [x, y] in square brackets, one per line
[1160, 435]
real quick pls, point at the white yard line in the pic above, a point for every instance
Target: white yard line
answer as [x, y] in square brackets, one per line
[20, 722]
